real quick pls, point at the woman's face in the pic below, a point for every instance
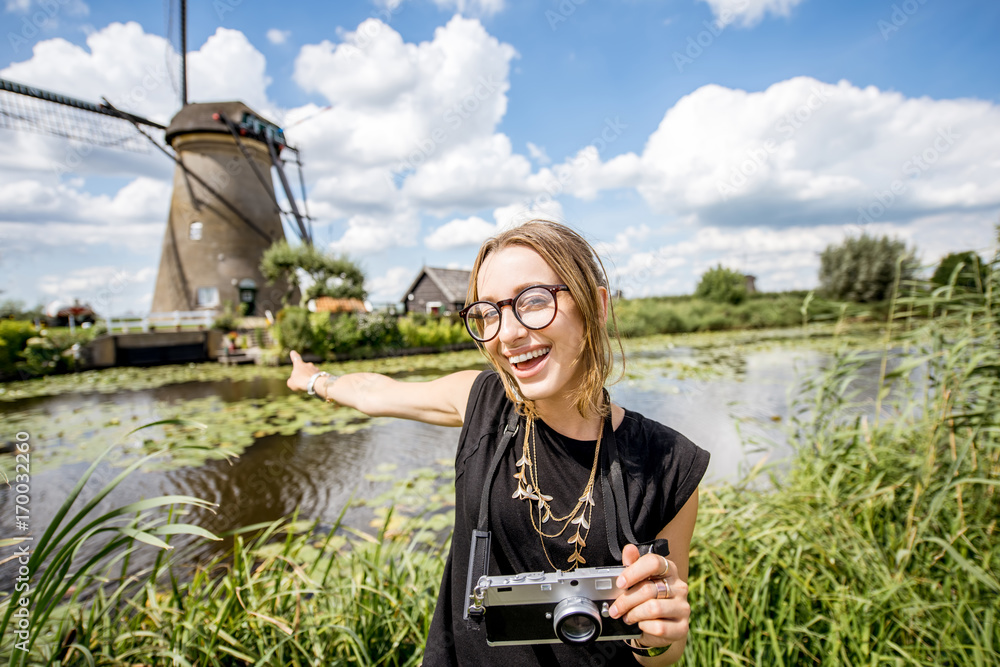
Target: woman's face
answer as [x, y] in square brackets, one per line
[551, 369]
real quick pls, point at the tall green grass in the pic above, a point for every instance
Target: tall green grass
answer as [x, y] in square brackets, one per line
[879, 545]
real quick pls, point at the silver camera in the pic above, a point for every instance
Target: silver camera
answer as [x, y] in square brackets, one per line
[550, 607]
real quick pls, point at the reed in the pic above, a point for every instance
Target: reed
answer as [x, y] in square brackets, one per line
[879, 545]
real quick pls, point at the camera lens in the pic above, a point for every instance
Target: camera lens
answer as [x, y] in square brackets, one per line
[576, 620]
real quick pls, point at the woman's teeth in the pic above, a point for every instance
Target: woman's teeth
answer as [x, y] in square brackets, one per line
[521, 358]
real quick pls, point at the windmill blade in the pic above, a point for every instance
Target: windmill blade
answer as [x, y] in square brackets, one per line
[25, 108]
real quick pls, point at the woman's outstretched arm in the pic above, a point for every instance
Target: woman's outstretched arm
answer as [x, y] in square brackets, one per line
[440, 401]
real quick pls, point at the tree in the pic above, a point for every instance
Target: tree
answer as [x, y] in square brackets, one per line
[971, 263]
[722, 285]
[336, 277]
[863, 268]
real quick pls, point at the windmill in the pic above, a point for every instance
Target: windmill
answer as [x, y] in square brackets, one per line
[223, 211]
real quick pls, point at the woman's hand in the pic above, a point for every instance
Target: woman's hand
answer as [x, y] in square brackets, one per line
[301, 372]
[662, 612]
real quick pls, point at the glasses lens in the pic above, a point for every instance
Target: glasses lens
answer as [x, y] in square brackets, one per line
[536, 307]
[482, 321]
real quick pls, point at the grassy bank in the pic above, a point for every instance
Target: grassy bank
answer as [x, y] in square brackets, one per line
[685, 314]
[877, 546]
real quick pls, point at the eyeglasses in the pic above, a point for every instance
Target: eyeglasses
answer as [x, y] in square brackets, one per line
[535, 307]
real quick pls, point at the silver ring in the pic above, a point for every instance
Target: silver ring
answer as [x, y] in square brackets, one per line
[666, 568]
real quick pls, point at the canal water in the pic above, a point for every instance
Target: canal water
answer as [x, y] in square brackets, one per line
[732, 394]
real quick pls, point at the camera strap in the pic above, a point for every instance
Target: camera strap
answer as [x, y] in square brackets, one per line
[479, 549]
[613, 488]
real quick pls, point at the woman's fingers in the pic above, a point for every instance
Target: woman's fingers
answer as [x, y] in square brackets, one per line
[301, 372]
[648, 566]
[647, 591]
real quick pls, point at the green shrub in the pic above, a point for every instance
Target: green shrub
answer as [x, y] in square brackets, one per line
[14, 335]
[294, 331]
[722, 285]
[228, 319]
[863, 269]
[431, 332]
[345, 337]
[971, 275]
[379, 331]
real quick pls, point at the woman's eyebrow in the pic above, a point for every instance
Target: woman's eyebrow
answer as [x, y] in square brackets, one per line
[517, 290]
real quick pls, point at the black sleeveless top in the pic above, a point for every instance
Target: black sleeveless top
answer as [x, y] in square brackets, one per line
[661, 470]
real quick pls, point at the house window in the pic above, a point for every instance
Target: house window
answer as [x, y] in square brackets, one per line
[208, 297]
[194, 231]
[434, 307]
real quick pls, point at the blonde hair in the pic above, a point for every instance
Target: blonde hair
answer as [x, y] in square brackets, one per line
[579, 268]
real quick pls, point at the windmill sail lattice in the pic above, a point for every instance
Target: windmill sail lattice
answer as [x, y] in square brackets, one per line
[27, 109]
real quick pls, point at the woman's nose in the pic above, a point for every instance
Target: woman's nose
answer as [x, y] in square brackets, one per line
[511, 328]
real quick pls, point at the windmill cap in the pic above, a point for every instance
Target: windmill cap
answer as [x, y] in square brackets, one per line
[205, 117]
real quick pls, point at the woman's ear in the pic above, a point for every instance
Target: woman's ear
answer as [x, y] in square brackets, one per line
[603, 294]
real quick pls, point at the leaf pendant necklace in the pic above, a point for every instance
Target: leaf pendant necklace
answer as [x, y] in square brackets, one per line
[540, 508]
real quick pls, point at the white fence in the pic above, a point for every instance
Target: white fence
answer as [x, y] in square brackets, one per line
[175, 319]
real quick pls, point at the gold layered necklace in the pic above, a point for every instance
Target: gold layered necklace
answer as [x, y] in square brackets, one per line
[540, 509]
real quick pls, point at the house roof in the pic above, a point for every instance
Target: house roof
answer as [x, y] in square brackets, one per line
[327, 304]
[453, 283]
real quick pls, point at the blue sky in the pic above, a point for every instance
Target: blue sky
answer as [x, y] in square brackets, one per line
[676, 134]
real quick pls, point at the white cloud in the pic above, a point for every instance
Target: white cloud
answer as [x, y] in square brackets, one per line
[538, 154]
[93, 279]
[457, 233]
[142, 200]
[390, 285]
[400, 105]
[466, 7]
[138, 72]
[367, 234]
[474, 7]
[781, 259]
[513, 215]
[749, 12]
[229, 67]
[60, 215]
[483, 172]
[276, 36]
[472, 231]
[409, 127]
[109, 290]
[803, 152]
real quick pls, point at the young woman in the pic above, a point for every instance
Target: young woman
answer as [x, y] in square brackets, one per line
[539, 307]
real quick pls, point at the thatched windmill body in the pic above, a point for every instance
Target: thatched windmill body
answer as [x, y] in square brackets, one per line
[223, 211]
